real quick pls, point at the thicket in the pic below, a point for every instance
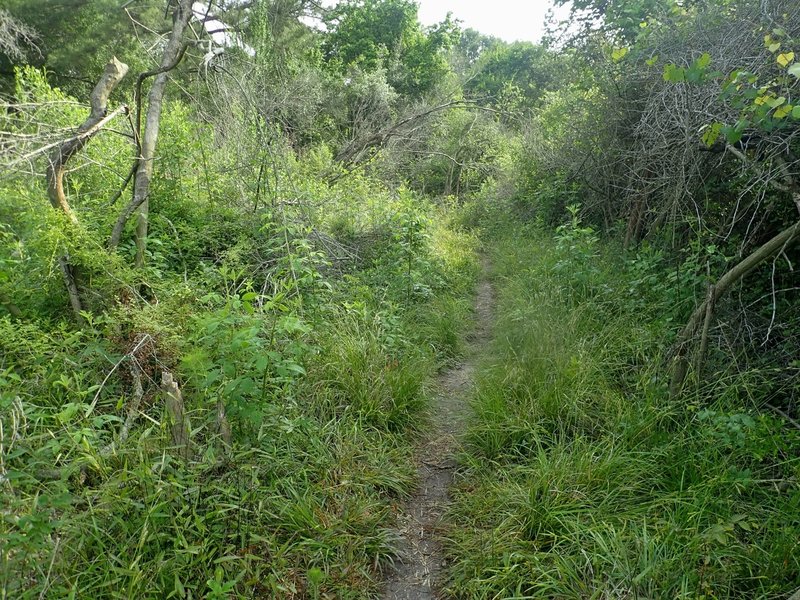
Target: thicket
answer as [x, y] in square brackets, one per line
[225, 402]
[582, 477]
[681, 132]
[635, 429]
[221, 293]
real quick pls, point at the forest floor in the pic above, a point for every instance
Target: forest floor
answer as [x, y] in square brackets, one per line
[418, 572]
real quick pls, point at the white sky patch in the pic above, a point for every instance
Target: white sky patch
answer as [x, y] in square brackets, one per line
[509, 20]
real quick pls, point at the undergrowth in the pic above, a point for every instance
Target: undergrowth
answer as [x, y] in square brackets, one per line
[313, 332]
[581, 478]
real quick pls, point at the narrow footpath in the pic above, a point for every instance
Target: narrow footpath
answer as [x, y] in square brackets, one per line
[419, 569]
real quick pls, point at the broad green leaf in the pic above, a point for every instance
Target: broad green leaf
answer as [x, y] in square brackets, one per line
[771, 44]
[795, 70]
[732, 134]
[776, 102]
[796, 112]
[674, 73]
[782, 111]
[785, 59]
[711, 134]
[704, 60]
[619, 53]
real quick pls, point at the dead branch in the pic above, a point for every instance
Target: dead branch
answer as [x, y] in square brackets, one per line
[14, 35]
[703, 313]
[133, 408]
[355, 151]
[177, 413]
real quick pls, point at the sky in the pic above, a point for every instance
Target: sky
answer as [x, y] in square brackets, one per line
[510, 20]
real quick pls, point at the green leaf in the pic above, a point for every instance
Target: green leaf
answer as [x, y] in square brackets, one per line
[619, 53]
[776, 102]
[703, 61]
[294, 368]
[711, 134]
[732, 134]
[796, 112]
[795, 70]
[785, 59]
[783, 111]
[771, 43]
[674, 73]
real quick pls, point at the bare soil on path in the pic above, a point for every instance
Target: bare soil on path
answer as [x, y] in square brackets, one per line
[418, 571]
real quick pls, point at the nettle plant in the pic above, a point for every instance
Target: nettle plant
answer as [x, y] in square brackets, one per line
[578, 251]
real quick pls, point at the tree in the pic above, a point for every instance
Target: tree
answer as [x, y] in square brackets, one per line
[386, 34]
[78, 36]
[172, 55]
[619, 19]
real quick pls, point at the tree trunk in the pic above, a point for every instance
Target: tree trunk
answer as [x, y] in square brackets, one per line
[703, 314]
[173, 52]
[98, 117]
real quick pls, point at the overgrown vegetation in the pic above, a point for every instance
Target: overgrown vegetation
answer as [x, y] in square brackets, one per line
[232, 256]
[582, 477]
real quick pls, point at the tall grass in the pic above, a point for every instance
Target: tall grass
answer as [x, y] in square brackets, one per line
[323, 375]
[581, 478]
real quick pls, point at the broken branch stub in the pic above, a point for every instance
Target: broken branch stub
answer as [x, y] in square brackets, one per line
[177, 413]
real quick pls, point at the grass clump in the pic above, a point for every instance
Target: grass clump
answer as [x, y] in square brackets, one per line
[581, 477]
[320, 369]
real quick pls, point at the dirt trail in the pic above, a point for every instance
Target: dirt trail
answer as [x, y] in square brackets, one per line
[418, 572]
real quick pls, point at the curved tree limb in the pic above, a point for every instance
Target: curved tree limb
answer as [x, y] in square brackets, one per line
[98, 117]
[113, 74]
[704, 312]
